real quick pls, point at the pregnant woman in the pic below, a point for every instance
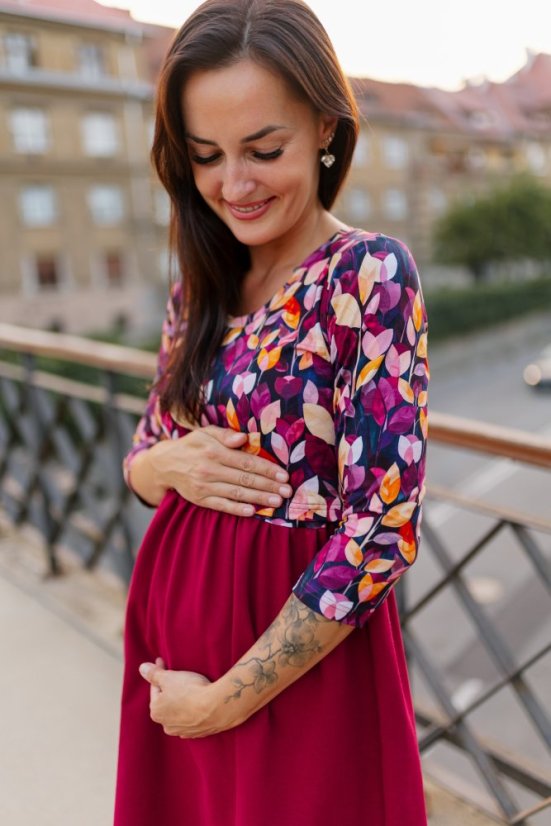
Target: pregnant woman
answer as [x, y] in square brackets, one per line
[283, 445]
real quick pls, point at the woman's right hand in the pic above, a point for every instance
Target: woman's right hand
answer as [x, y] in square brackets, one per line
[207, 467]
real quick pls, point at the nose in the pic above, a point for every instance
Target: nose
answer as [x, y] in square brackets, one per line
[237, 183]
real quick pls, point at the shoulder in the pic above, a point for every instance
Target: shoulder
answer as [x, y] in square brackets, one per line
[373, 256]
[370, 274]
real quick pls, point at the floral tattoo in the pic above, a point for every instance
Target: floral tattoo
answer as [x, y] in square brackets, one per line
[291, 640]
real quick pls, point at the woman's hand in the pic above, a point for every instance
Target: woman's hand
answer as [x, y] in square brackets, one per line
[207, 467]
[184, 702]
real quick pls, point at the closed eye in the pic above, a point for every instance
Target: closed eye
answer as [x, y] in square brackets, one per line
[204, 160]
[259, 156]
[268, 156]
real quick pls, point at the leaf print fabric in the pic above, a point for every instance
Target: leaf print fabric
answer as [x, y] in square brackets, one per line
[376, 329]
[329, 379]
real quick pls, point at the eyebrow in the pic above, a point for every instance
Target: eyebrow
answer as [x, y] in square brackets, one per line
[256, 136]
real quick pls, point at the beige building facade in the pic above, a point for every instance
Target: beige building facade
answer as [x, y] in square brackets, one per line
[421, 150]
[84, 223]
[83, 229]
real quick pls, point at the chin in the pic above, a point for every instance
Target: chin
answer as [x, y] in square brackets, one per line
[255, 233]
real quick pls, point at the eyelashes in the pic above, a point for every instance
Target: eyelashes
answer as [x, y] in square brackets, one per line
[259, 156]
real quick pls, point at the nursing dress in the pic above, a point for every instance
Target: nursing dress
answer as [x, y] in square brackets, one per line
[329, 380]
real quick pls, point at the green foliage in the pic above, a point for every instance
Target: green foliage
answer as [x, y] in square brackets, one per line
[457, 312]
[510, 223]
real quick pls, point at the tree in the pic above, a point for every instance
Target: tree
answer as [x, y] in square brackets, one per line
[510, 223]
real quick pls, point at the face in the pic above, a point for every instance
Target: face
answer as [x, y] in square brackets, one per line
[254, 151]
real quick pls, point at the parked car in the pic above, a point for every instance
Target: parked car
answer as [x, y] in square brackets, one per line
[538, 373]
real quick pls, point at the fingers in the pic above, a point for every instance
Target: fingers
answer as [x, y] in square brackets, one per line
[152, 673]
[227, 436]
[246, 462]
[247, 487]
[222, 476]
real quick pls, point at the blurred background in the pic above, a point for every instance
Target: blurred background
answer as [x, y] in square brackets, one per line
[457, 166]
[454, 158]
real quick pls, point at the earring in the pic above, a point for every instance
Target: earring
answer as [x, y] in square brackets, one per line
[327, 158]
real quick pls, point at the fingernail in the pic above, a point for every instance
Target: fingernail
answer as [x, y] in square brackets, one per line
[286, 490]
[144, 669]
[281, 476]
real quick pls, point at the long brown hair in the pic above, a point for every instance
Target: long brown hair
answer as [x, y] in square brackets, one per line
[283, 36]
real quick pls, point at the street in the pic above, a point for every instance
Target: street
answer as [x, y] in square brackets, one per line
[481, 378]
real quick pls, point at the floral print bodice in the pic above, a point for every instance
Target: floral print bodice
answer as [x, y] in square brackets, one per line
[329, 380]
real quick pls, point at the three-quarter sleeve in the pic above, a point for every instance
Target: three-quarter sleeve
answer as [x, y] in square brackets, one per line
[376, 333]
[155, 425]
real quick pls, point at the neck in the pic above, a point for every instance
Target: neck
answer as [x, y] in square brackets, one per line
[287, 252]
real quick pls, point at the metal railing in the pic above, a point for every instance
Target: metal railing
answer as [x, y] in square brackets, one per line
[67, 413]
[502, 532]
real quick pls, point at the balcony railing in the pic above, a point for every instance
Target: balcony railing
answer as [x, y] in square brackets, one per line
[68, 408]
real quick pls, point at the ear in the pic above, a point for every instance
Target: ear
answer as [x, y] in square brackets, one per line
[328, 126]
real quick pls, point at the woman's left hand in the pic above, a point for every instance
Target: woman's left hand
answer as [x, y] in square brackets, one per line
[183, 702]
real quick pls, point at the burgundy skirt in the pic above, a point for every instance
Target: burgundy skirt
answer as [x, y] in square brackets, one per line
[337, 746]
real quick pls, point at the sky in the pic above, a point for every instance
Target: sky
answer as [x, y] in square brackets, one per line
[426, 42]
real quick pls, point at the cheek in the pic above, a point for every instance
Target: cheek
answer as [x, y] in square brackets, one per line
[206, 182]
[302, 180]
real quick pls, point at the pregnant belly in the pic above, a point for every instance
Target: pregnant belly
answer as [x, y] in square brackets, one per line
[209, 583]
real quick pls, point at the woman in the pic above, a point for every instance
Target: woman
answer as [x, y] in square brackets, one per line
[265, 679]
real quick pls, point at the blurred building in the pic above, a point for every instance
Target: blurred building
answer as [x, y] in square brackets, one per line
[83, 223]
[421, 149]
[83, 228]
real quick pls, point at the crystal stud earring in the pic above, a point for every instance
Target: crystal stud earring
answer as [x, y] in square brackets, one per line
[327, 158]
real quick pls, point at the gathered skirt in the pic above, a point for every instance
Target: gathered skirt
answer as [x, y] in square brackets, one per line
[338, 746]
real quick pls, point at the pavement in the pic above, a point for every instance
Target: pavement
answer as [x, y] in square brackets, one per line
[61, 646]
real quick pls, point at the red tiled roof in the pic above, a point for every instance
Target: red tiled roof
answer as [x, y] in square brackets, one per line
[522, 104]
[87, 12]
[398, 101]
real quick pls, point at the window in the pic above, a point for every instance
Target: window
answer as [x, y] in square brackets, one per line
[106, 204]
[476, 158]
[47, 271]
[30, 130]
[438, 201]
[99, 134]
[164, 260]
[395, 204]
[19, 51]
[162, 207]
[395, 151]
[38, 205]
[362, 150]
[358, 204]
[114, 268]
[480, 118]
[91, 60]
[535, 157]
[150, 131]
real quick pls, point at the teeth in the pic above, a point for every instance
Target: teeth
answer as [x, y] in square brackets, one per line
[250, 209]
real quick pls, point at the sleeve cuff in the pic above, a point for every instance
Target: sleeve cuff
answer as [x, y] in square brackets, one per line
[334, 605]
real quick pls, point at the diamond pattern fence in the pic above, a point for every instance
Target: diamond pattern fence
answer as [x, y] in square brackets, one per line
[479, 644]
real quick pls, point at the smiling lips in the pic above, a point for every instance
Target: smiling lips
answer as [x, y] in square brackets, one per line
[249, 212]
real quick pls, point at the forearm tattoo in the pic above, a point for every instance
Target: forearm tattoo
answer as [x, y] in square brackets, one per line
[291, 640]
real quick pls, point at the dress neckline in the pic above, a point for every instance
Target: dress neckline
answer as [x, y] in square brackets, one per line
[297, 274]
